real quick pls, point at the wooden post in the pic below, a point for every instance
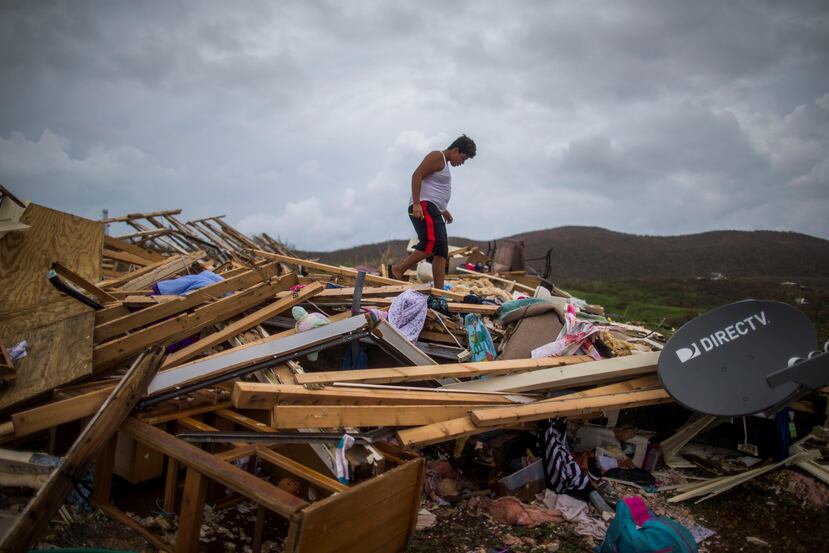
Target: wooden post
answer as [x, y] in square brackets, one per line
[104, 465]
[190, 516]
[171, 485]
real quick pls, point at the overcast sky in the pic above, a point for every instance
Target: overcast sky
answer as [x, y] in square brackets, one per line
[306, 119]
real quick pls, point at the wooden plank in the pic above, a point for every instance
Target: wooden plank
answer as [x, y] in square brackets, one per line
[298, 469]
[153, 419]
[166, 270]
[496, 278]
[104, 466]
[344, 416]
[171, 485]
[172, 330]
[368, 291]
[453, 307]
[59, 412]
[465, 426]
[132, 321]
[112, 243]
[375, 515]
[190, 514]
[96, 435]
[547, 409]
[244, 483]
[132, 216]
[118, 516]
[59, 351]
[82, 283]
[126, 257]
[591, 372]
[237, 327]
[429, 372]
[255, 395]
[374, 279]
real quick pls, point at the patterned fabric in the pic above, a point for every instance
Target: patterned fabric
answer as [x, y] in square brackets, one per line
[408, 314]
[561, 471]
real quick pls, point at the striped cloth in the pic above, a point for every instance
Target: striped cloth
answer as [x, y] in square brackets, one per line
[561, 471]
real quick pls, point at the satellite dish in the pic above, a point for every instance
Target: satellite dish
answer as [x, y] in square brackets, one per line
[735, 359]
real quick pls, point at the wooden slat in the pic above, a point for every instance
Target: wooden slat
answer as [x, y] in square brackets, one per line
[59, 412]
[429, 372]
[300, 470]
[255, 395]
[81, 282]
[590, 372]
[248, 485]
[237, 327]
[95, 436]
[115, 244]
[190, 514]
[132, 321]
[345, 416]
[170, 331]
[127, 257]
[374, 279]
[547, 409]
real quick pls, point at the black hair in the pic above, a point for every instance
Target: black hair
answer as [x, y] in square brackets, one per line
[465, 145]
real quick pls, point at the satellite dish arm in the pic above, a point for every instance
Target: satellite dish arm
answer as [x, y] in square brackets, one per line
[812, 372]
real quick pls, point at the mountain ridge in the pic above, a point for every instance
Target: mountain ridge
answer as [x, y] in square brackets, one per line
[595, 253]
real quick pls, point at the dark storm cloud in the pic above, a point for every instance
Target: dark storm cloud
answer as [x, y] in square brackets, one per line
[305, 119]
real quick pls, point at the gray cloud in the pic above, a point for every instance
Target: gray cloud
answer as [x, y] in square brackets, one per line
[306, 119]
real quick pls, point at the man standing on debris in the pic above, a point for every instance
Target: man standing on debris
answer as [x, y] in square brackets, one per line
[431, 190]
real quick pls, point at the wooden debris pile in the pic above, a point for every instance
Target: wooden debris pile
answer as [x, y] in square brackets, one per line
[225, 367]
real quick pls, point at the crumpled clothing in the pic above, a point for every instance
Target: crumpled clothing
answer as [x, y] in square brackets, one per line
[479, 338]
[575, 510]
[575, 338]
[307, 321]
[408, 314]
[186, 284]
[511, 510]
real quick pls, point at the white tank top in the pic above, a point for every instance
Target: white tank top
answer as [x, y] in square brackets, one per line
[437, 187]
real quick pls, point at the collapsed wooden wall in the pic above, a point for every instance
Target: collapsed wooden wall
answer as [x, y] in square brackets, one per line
[58, 329]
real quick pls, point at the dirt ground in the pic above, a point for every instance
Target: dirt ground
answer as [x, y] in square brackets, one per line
[786, 510]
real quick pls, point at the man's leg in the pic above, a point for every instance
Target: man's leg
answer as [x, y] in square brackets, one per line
[438, 271]
[413, 259]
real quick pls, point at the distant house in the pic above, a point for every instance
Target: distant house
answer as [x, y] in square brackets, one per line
[788, 283]
[716, 276]
[801, 301]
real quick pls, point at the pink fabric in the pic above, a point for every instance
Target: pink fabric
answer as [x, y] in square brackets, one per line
[638, 509]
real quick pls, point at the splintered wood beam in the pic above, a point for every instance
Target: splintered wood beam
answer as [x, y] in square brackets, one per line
[160, 273]
[579, 406]
[348, 292]
[591, 372]
[59, 412]
[300, 470]
[172, 330]
[81, 282]
[480, 309]
[132, 216]
[374, 279]
[344, 416]
[430, 372]
[565, 405]
[243, 324]
[35, 517]
[152, 314]
[254, 395]
[226, 474]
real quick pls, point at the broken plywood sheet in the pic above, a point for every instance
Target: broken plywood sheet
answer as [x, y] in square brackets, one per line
[59, 352]
[25, 257]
